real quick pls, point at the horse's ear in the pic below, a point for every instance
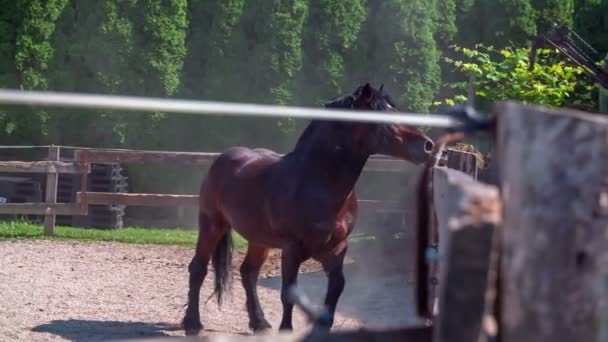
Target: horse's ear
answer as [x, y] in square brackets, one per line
[381, 87]
[365, 92]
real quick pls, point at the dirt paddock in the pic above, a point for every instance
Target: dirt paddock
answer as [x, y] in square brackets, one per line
[92, 291]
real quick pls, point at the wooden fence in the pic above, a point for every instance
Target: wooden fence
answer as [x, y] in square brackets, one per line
[83, 158]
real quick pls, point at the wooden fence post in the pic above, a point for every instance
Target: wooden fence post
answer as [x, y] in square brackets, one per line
[468, 214]
[554, 271]
[51, 191]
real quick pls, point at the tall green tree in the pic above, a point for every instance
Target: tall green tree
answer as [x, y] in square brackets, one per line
[591, 22]
[329, 34]
[495, 22]
[396, 47]
[549, 12]
[212, 38]
[25, 53]
[445, 28]
[126, 47]
[251, 52]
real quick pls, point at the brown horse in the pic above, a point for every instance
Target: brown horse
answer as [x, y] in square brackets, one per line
[302, 203]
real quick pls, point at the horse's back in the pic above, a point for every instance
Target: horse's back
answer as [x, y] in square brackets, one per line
[235, 183]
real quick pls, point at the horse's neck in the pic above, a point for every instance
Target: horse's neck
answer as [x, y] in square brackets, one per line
[331, 171]
[336, 173]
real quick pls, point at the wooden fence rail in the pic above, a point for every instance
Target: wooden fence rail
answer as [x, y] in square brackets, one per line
[82, 165]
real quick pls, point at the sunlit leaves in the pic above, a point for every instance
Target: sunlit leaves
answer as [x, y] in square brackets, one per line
[506, 74]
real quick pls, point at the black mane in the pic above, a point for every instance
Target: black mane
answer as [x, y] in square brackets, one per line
[380, 99]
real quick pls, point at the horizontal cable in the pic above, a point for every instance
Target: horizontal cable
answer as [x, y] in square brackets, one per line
[133, 103]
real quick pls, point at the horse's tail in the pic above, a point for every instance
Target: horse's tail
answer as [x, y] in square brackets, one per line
[221, 261]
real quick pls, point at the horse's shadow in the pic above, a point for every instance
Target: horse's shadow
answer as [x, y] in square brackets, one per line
[90, 330]
[371, 299]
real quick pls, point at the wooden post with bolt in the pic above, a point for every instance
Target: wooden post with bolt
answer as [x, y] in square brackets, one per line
[51, 191]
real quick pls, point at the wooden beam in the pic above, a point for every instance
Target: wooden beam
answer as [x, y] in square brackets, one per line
[136, 199]
[51, 192]
[377, 205]
[141, 157]
[554, 176]
[42, 167]
[173, 200]
[463, 161]
[468, 213]
[41, 209]
[375, 163]
[383, 164]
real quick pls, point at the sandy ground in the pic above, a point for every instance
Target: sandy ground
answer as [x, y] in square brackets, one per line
[92, 291]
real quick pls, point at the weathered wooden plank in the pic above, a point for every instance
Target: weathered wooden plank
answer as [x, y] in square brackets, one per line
[141, 157]
[136, 199]
[468, 212]
[463, 161]
[554, 271]
[42, 167]
[173, 200]
[375, 163]
[41, 209]
[51, 192]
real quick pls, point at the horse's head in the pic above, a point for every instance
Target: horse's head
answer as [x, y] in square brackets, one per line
[397, 140]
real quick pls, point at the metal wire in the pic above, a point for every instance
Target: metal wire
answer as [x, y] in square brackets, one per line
[132, 103]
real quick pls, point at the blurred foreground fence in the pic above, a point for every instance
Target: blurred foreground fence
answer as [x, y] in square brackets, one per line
[524, 258]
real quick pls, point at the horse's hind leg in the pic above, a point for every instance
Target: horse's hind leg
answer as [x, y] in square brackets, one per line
[250, 270]
[210, 232]
[291, 259]
[333, 263]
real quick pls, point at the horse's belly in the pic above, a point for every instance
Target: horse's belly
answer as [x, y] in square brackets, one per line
[249, 222]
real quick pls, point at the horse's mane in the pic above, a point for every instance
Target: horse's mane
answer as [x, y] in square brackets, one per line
[339, 102]
[342, 102]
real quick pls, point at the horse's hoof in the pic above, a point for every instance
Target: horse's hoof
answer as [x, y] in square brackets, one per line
[193, 329]
[285, 329]
[260, 327]
[193, 332]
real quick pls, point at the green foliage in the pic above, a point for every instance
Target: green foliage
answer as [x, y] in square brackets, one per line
[273, 45]
[127, 47]
[549, 12]
[504, 75]
[212, 48]
[396, 47]
[33, 47]
[330, 31]
[495, 22]
[160, 45]
[445, 23]
[25, 51]
[591, 22]
[248, 51]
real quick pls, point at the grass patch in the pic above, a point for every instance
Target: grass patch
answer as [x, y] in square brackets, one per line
[160, 236]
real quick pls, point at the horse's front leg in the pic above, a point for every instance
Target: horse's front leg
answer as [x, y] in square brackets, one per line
[333, 264]
[250, 270]
[291, 259]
